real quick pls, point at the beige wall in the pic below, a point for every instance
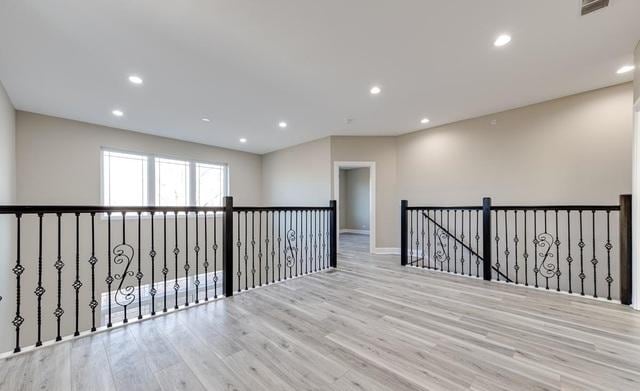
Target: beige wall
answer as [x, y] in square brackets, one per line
[355, 201]
[382, 151]
[7, 196]
[299, 175]
[571, 150]
[58, 160]
[343, 196]
[636, 77]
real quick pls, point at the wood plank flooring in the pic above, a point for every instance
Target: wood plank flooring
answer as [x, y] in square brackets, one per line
[369, 325]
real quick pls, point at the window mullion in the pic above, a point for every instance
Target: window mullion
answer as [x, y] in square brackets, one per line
[192, 183]
[151, 181]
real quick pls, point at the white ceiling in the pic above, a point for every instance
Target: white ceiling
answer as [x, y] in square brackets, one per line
[249, 64]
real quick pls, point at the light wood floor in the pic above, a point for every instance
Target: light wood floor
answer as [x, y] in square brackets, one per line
[369, 325]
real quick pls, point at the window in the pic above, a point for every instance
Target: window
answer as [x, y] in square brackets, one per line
[172, 182]
[137, 179]
[124, 179]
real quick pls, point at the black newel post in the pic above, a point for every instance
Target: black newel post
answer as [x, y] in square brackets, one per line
[486, 238]
[333, 262]
[404, 232]
[227, 246]
[625, 249]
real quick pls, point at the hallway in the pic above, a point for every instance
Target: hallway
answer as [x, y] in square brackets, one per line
[368, 325]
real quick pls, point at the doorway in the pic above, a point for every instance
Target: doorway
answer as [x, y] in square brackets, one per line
[354, 190]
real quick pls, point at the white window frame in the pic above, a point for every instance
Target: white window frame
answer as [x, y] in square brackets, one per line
[151, 175]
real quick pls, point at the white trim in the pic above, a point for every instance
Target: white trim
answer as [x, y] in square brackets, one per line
[387, 250]
[635, 210]
[354, 231]
[372, 195]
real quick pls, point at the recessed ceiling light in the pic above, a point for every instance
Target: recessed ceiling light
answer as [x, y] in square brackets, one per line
[117, 113]
[243, 140]
[502, 40]
[282, 124]
[424, 121]
[135, 79]
[375, 90]
[625, 69]
[206, 120]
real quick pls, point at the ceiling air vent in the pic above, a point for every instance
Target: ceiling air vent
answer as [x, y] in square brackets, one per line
[589, 6]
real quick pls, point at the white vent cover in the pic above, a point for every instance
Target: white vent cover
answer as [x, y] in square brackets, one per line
[589, 6]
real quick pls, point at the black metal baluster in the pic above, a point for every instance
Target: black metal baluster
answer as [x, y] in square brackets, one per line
[77, 284]
[253, 250]
[526, 254]
[259, 248]
[186, 258]
[506, 247]
[92, 261]
[516, 267]
[196, 250]
[165, 270]
[455, 243]
[469, 240]
[266, 247]
[497, 238]
[109, 280]
[581, 245]
[462, 236]
[139, 274]
[594, 260]
[273, 250]
[215, 255]
[153, 254]
[536, 270]
[291, 227]
[176, 251]
[238, 245]
[423, 244]
[448, 242]
[206, 258]
[59, 265]
[279, 247]
[547, 246]
[39, 290]
[312, 241]
[411, 237]
[18, 269]
[478, 244]
[306, 241]
[557, 243]
[569, 259]
[437, 239]
[608, 247]
[428, 240]
[323, 237]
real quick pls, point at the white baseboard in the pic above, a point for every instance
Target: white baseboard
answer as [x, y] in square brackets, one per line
[387, 250]
[354, 231]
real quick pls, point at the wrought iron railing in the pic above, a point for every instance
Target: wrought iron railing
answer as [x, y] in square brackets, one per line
[578, 249]
[81, 268]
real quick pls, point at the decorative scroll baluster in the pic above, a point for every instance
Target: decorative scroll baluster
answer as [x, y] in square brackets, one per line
[569, 258]
[478, 244]
[59, 265]
[92, 261]
[448, 242]
[246, 256]
[259, 248]
[469, 240]
[40, 289]
[266, 248]
[594, 260]
[455, 244]
[186, 259]
[77, 284]
[608, 247]
[428, 241]
[18, 269]
[196, 250]
[306, 241]
[411, 237]
[152, 255]
[109, 279]
[423, 244]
